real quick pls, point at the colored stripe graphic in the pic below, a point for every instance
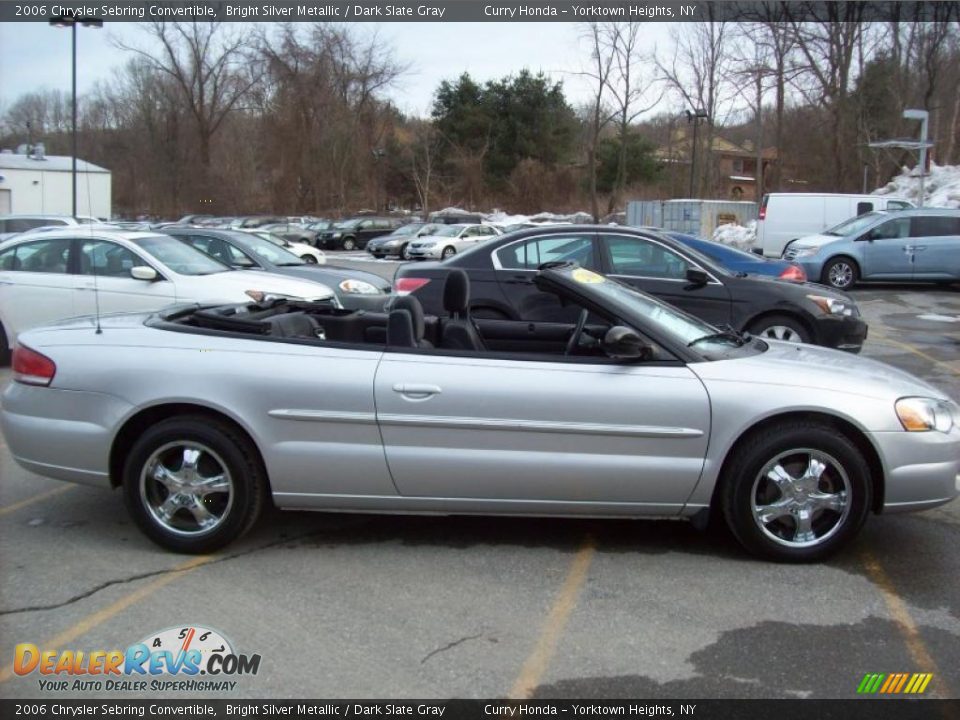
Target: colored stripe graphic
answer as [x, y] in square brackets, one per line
[894, 683]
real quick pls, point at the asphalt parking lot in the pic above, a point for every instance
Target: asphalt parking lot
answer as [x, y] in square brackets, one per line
[354, 606]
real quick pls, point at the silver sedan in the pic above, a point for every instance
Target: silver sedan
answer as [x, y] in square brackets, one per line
[201, 415]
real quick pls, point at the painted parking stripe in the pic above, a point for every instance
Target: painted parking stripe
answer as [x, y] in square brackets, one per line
[35, 499]
[952, 367]
[906, 625]
[95, 619]
[539, 659]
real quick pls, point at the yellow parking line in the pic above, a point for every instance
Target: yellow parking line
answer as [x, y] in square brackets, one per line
[35, 499]
[101, 616]
[536, 664]
[951, 367]
[904, 622]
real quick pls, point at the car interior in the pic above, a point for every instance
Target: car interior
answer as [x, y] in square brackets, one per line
[403, 325]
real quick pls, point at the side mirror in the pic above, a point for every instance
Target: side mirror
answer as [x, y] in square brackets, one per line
[622, 343]
[696, 276]
[143, 272]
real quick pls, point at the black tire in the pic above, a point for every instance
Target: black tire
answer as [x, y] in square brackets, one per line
[840, 273]
[790, 444]
[349, 243]
[448, 251]
[780, 327]
[309, 259]
[403, 251]
[378, 256]
[4, 348]
[248, 483]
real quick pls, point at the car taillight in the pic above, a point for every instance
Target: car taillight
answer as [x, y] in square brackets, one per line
[762, 215]
[32, 368]
[794, 274]
[407, 285]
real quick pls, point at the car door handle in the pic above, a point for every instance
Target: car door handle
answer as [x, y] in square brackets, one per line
[919, 248]
[520, 280]
[418, 392]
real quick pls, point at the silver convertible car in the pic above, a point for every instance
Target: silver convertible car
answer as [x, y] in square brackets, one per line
[203, 414]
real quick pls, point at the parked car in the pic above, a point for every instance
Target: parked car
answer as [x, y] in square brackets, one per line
[290, 231]
[786, 216]
[635, 410]
[398, 242]
[356, 233]
[455, 217]
[307, 253]
[502, 271]
[194, 219]
[447, 240]
[11, 225]
[920, 245]
[248, 251]
[740, 261]
[256, 221]
[65, 273]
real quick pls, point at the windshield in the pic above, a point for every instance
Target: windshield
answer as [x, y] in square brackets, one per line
[180, 258]
[269, 250]
[855, 225]
[685, 329]
[347, 224]
[408, 229]
[446, 230]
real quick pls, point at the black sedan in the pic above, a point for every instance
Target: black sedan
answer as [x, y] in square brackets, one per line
[502, 270]
[354, 288]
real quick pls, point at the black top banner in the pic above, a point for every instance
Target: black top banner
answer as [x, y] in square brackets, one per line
[865, 709]
[482, 11]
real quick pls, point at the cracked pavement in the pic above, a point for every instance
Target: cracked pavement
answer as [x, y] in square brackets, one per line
[433, 607]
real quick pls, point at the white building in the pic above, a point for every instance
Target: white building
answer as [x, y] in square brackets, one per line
[41, 184]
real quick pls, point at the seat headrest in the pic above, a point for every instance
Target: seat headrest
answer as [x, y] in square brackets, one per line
[413, 306]
[456, 292]
[400, 329]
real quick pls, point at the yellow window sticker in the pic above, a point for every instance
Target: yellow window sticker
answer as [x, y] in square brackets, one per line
[587, 277]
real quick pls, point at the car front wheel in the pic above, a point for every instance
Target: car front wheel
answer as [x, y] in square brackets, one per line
[404, 252]
[349, 244]
[448, 252]
[193, 484]
[780, 327]
[840, 273]
[309, 259]
[796, 491]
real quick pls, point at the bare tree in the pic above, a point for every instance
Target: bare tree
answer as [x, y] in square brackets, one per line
[209, 64]
[425, 146]
[598, 72]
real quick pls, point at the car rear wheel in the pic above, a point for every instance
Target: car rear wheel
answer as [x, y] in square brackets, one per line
[448, 251]
[840, 273]
[780, 327]
[796, 491]
[4, 348]
[349, 244]
[193, 484]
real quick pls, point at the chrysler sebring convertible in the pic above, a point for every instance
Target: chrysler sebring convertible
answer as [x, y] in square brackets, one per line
[635, 409]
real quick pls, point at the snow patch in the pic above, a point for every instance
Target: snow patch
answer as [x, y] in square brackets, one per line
[941, 187]
[739, 236]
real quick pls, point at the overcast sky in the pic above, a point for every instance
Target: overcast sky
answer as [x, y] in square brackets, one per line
[36, 56]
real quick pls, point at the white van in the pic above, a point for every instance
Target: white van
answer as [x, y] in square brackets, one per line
[786, 216]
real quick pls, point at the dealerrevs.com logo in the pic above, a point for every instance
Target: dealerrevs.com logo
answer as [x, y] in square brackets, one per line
[176, 659]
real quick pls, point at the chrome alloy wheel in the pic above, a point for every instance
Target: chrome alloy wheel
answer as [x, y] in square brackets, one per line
[801, 498]
[187, 488]
[781, 332]
[840, 275]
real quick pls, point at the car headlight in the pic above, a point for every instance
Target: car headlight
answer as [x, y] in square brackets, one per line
[832, 306]
[920, 414]
[427, 246]
[799, 252]
[336, 234]
[391, 243]
[358, 287]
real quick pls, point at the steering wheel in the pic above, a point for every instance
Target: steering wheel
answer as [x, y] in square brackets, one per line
[577, 332]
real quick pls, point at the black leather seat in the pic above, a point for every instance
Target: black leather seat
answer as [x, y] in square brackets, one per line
[406, 325]
[458, 331]
[290, 325]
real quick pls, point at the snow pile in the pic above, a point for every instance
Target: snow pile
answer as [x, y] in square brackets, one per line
[499, 217]
[941, 186]
[739, 236]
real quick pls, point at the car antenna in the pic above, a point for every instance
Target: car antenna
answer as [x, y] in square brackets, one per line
[93, 259]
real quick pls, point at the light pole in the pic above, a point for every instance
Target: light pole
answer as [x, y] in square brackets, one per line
[694, 117]
[923, 116]
[62, 21]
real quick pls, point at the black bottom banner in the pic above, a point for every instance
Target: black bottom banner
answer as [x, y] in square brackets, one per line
[865, 709]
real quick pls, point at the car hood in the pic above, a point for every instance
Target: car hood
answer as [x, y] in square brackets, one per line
[815, 240]
[816, 368]
[232, 286]
[332, 275]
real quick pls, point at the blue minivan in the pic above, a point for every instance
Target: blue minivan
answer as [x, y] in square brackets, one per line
[918, 245]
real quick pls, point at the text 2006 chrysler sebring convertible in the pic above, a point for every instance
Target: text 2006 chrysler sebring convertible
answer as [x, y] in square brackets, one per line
[635, 410]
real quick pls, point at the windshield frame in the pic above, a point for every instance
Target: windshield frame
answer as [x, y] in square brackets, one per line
[144, 243]
[859, 223]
